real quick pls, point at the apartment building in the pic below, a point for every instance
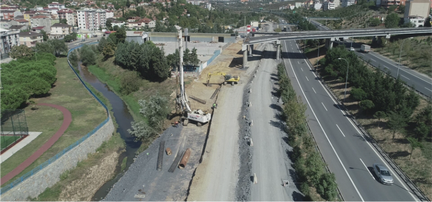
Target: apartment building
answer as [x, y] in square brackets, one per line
[328, 5]
[30, 38]
[7, 15]
[91, 19]
[8, 39]
[41, 20]
[56, 5]
[346, 3]
[388, 3]
[419, 8]
[67, 14]
[59, 30]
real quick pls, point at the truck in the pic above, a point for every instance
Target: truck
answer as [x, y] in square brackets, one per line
[365, 48]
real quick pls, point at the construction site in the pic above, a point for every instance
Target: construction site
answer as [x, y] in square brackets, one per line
[175, 165]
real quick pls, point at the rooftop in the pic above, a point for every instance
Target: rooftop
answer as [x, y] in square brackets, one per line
[60, 25]
[28, 34]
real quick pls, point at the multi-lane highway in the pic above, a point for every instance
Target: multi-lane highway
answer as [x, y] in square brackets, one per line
[422, 83]
[346, 151]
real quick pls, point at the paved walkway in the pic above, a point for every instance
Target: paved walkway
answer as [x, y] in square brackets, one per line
[67, 119]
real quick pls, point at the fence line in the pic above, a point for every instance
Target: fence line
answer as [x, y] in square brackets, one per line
[60, 154]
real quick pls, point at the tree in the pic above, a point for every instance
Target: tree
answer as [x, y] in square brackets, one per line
[109, 23]
[44, 47]
[427, 22]
[121, 35]
[44, 35]
[373, 22]
[129, 82]
[358, 94]
[63, 21]
[109, 50]
[327, 187]
[366, 105]
[392, 20]
[87, 56]
[379, 115]
[156, 110]
[13, 97]
[39, 86]
[396, 122]
[59, 46]
[421, 131]
[414, 144]
[21, 52]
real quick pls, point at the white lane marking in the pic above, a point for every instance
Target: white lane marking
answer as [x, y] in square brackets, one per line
[428, 89]
[306, 78]
[340, 130]
[298, 62]
[314, 90]
[301, 68]
[367, 169]
[355, 127]
[324, 106]
[372, 60]
[325, 134]
[405, 77]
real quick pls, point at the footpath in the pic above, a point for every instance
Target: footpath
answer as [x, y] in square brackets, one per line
[67, 119]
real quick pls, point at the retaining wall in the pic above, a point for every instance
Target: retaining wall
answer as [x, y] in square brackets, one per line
[48, 173]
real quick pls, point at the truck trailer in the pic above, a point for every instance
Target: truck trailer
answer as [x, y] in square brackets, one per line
[365, 48]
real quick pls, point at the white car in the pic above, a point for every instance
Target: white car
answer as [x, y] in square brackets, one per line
[383, 174]
[352, 49]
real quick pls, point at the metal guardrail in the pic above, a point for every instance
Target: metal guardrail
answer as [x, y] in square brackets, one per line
[60, 154]
[416, 191]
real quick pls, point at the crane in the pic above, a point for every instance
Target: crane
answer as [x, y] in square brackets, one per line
[198, 115]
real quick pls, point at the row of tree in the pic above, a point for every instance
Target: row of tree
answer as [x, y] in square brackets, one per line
[308, 165]
[27, 77]
[377, 94]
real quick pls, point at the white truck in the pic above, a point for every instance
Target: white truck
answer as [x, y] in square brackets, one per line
[365, 48]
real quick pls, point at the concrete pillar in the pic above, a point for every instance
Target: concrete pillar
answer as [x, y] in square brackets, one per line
[329, 44]
[244, 49]
[250, 50]
[278, 50]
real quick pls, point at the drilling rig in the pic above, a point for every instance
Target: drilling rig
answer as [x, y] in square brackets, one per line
[182, 105]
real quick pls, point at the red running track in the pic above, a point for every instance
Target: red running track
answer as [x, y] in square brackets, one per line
[67, 119]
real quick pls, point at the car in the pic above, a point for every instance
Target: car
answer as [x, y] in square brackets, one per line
[383, 174]
[352, 49]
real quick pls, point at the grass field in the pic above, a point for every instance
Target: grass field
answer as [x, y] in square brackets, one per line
[68, 92]
[7, 140]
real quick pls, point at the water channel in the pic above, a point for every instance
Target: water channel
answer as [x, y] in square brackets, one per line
[123, 119]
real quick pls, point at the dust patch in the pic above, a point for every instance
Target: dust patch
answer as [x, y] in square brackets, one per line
[86, 186]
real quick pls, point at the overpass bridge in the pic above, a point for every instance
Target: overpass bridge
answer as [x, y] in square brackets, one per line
[329, 35]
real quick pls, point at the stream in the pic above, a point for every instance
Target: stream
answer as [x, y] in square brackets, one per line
[123, 119]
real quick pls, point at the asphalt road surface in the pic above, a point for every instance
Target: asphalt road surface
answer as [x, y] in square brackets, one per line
[422, 83]
[348, 154]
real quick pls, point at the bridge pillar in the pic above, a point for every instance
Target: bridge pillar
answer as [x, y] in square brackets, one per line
[250, 50]
[329, 43]
[244, 49]
[278, 50]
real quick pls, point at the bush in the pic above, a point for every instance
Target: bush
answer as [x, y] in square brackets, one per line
[130, 82]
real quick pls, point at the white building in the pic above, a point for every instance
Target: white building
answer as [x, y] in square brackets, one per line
[418, 21]
[91, 19]
[8, 39]
[317, 5]
[109, 14]
[208, 6]
[117, 23]
[328, 5]
[67, 14]
[346, 3]
[299, 4]
[56, 5]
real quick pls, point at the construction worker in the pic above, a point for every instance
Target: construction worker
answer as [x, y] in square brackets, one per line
[214, 105]
[176, 124]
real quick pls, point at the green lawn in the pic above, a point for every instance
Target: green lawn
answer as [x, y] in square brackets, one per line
[7, 140]
[68, 92]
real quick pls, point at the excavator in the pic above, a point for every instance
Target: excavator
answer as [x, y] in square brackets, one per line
[182, 103]
[227, 78]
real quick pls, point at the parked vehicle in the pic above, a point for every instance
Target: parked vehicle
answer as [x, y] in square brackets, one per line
[365, 48]
[352, 49]
[383, 174]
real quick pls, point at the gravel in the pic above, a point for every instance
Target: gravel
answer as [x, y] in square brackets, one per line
[142, 181]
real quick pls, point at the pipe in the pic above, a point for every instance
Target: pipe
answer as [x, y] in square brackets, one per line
[185, 159]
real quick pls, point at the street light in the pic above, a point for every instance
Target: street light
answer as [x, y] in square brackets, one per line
[346, 80]
[400, 53]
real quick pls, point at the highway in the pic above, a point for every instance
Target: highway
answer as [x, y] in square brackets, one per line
[422, 83]
[348, 154]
